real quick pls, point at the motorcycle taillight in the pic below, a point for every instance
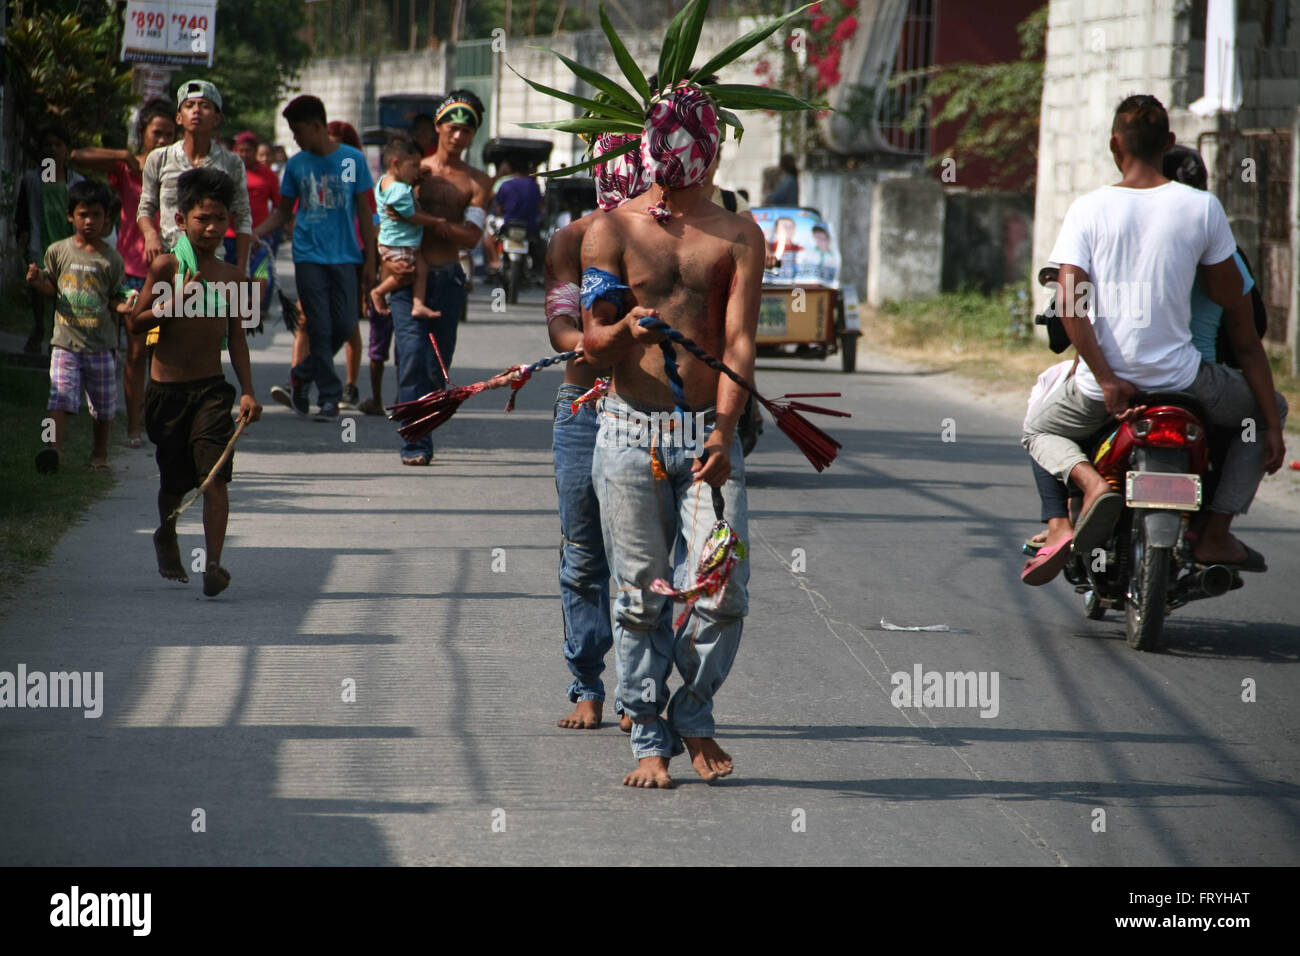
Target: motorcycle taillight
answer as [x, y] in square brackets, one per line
[1167, 433]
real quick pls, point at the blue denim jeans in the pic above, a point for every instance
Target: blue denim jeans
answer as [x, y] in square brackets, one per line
[329, 300]
[584, 572]
[658, 528]
[418, 373]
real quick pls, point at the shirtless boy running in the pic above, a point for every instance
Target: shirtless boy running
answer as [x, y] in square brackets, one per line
[188, 401]
[699, 268]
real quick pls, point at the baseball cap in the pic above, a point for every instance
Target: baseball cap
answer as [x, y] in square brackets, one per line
[247, 136]
[198, 89]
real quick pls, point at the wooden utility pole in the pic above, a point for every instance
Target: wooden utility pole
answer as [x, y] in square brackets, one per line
[433, 36]
[410, 26]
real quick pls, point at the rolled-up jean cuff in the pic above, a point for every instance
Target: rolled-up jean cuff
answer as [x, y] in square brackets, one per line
[654, 752]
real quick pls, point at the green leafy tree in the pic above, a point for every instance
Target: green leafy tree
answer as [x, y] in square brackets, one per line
[527, 17]
[65, 69]
[997, 105]
[64, 63]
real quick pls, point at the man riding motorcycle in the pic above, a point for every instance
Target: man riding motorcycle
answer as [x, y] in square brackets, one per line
[1131, 251]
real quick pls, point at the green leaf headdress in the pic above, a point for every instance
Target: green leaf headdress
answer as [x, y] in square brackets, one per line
[618, 109]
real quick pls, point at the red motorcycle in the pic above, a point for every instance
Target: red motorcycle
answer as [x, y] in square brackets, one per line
[1160, 462]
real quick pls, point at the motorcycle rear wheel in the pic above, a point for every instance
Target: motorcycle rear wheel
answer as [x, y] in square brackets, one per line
[514, 278]
[1144, 612]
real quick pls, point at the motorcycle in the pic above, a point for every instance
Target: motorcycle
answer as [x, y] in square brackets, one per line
[1159, 461]
[514, 251]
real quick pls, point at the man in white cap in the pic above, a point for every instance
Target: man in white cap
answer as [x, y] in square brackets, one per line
[198, 114]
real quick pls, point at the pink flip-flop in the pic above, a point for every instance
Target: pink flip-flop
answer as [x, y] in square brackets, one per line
[1047, 564]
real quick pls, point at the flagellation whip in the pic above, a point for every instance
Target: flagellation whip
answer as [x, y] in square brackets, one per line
[817, 446]
[422, 415]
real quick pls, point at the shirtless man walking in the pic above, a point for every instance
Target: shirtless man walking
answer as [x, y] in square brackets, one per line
[454, 196]
[699, 268]
[584, 569]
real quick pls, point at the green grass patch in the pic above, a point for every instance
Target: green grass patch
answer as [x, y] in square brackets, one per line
[966, 318]
[36, 509]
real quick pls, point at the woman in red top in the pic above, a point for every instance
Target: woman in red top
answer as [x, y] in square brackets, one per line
[155, 127]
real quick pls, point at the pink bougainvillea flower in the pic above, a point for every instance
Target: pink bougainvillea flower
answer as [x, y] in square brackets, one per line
[819, 23]
[847, 27]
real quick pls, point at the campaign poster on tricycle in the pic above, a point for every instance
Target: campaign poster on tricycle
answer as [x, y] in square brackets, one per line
[800, 248]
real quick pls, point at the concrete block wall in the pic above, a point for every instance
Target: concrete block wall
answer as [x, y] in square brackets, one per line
[1099, 51]
[905, 246]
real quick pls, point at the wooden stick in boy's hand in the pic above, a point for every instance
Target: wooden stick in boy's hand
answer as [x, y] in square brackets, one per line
[198, 492]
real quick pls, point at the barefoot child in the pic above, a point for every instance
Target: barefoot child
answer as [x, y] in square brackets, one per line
[84, 275]
[188, 401]
[399, 238]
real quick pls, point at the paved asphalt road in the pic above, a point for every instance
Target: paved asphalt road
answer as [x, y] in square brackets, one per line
[349, 566]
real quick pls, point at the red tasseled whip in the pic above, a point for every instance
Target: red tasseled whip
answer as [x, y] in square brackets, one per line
[422, 415]
[817, 446]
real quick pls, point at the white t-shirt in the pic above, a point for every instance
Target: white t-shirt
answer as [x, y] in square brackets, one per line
[1140, 248]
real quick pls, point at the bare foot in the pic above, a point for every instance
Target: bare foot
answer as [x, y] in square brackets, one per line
[586, 716]
[421, 311]
[625, 723]
[168, 550]
[100, 465]
[215, 579]
[650, 773]
[709, 760]
[380, 306]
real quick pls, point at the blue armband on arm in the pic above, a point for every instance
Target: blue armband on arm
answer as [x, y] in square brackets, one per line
[599, 284]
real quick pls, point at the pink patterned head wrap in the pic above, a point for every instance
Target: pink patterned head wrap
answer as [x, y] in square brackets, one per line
[622, 177]
[680, 140]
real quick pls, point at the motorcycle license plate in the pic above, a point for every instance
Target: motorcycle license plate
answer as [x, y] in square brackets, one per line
[509, 245]
[1148, 489]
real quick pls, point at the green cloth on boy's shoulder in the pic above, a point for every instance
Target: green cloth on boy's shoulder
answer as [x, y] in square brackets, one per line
[86, 288]
[54, 214]
[188, 262]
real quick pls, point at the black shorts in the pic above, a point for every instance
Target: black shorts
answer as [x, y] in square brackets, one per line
[190, 423]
